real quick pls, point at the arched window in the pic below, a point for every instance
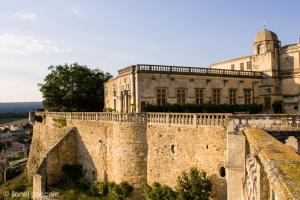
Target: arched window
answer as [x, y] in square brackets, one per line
[260, 49]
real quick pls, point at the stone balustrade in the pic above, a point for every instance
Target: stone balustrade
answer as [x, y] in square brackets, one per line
[96, 116]
[188, 70]
[269, 122]
[210, 119]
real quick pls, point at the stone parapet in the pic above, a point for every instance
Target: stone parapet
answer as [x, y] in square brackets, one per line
[269, 122]
[204, 71]
[272, 168]
[196, 119]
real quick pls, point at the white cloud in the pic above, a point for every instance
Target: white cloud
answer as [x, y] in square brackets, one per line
[25, 16]
[76, 12]
[14, 44]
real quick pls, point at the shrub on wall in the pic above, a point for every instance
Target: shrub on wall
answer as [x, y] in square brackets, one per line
[111, 190]
[204, 108]
[99, 189]
[158, 192]
[60, 123]
[38, 118]
[119, 191]
[193, 184]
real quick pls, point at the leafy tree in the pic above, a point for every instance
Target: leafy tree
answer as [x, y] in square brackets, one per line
[193, 185]
[74, 87]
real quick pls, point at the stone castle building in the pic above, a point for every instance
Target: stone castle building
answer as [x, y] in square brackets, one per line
[270, 74]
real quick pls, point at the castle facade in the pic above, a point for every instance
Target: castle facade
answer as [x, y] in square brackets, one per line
[270, 74]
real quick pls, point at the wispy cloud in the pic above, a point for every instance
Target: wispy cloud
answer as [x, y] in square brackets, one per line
[25, 16]
[15, 44]
[76, 12]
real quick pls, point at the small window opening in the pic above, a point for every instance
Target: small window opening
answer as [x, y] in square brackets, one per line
[173, 149]
[222, 172]
[296, 108]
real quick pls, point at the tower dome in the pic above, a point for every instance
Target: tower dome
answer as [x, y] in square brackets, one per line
[265, 35]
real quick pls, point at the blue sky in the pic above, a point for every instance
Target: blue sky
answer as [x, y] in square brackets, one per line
[111, 34]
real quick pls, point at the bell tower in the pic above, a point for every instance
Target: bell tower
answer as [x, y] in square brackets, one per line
[265, 41]
[266, 60]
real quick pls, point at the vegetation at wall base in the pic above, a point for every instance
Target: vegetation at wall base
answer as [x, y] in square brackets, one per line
[193, 184]
[159, 192]
[204, 108]
[74, 88]
[74, 186]
[20, 184]
[111, 190]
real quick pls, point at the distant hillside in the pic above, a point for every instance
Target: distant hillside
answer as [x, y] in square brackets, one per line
[19, 107]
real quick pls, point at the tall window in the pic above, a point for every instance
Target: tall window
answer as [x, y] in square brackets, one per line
[232, 96]
[216, 97]
[242, 66]
[115, 105]
[249, 65]
[161, 96]
[105, 91]
[261, 49]
[247, 96]
[181, 95]
[199, 93]
[114, 90]
[232, 67]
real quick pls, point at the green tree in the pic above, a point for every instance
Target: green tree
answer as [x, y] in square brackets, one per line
[74, 87]
[193, 185]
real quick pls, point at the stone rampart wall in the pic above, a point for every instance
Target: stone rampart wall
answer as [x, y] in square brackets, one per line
[175, 148]
[136, 150]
